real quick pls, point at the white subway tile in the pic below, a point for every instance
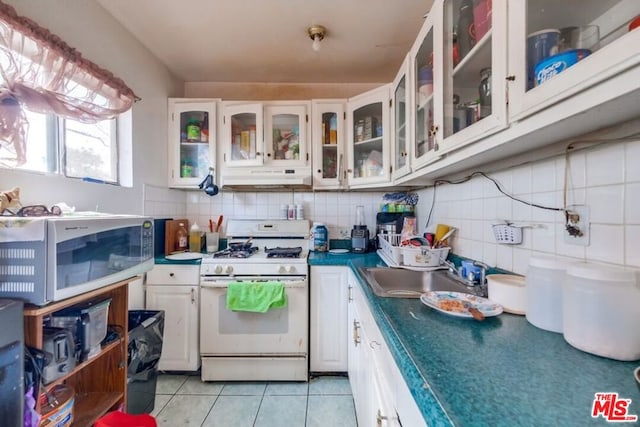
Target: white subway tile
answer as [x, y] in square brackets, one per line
[632, 245]
[504, 257]
[543, 238]
[605, 165]
[632, 154]
[521, 260]
[489, 254]
[521, 181]
[606, 204]
[476, 249]
[606, 244]
[632, 203]
[548, 200]
[576, 173]
[543, 176]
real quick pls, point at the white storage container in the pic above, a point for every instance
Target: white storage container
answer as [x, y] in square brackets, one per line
[601, 311]
[544, 292]
[509, 291]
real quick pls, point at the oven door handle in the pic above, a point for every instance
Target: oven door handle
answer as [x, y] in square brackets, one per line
[224, 284]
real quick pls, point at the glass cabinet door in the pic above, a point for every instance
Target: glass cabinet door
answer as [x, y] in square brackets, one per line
[560, 49]
[243, 124]
[327, 123]
[400, 122]
[192, 141]
[368, 135]
[285, 135]
[467, 63]
[425, 143]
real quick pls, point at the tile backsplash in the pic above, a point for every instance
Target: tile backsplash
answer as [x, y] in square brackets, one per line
[606, 178]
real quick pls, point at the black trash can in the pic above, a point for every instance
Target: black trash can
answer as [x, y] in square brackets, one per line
[146, 329]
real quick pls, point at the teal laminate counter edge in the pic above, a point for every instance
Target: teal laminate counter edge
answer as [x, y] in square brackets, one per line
[162, 260]
[499, 372]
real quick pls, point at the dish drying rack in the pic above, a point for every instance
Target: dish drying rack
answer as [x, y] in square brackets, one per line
[410, 257]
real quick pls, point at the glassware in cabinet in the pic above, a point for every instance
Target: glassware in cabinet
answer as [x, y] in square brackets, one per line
[191, 141]
[557, 50]
[368, 140]
[328, 141]
[400, 121]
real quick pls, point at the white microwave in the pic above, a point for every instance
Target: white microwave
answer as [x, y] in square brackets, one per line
[47, 259]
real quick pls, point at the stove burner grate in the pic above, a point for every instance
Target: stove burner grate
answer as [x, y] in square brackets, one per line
[236, 253]
[283, 252]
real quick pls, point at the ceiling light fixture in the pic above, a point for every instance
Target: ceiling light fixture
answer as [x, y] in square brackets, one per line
[316, 33]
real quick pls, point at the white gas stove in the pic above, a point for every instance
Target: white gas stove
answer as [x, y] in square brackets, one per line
[249, 346]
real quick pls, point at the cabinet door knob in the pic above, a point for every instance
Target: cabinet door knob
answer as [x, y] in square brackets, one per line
[258, 153]
[268, 154]
[319, 171]
[171, 274]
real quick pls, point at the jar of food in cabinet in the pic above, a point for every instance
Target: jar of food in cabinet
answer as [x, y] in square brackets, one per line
[544, 292]
[484, 91]
[601, 312]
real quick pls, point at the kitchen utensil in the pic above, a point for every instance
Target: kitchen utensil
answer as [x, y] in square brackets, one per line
[509, 291]
[211, 230]
[441, 230]
[449, 233]
[219, 224]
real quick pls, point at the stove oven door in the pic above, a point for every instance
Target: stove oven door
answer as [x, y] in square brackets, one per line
[278, 332]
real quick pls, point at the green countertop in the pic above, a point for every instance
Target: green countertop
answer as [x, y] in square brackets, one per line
[499, 372]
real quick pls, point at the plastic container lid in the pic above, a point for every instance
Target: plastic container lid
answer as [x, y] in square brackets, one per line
[548, 262]
[548, 30]
[602, 273]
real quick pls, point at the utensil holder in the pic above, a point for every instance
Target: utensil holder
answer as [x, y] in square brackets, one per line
[507, 234]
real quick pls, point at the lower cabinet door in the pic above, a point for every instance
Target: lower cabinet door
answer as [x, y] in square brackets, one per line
[180, 350]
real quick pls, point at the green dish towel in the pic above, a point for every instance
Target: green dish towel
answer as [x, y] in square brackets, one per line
[257, 297]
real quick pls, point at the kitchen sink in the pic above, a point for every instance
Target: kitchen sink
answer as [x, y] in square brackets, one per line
[401, 283]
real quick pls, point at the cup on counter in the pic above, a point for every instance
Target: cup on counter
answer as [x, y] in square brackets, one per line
[213, 241]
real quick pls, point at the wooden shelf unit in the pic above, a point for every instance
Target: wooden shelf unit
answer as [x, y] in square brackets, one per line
[100, 383]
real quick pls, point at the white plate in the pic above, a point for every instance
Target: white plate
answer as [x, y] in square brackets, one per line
[338, 251]
[458, 303]
[184, 256]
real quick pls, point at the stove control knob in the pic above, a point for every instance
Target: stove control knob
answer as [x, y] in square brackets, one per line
[282, 269]
[218, 269]
[292, 269]
[229, 269]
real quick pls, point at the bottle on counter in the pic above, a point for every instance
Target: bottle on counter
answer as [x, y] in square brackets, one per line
[319, 237]
[182, 239]
[195, 238]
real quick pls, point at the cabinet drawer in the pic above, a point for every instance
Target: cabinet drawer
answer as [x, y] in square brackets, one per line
[174, 275]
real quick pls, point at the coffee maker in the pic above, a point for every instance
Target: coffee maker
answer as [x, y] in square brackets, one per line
[359, 233]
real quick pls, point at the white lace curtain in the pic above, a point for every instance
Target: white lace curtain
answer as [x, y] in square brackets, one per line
[40, 72]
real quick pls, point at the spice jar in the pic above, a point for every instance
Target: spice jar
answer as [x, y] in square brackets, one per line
[485, 92]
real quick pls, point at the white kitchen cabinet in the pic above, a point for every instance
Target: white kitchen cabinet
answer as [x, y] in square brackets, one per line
[368, 139]
[192, 140]
[328, 119]
[453, 106]
[617, 52]
[328, 301]
[175, 289]
[373, 375]
[266, 143]
[401, 121]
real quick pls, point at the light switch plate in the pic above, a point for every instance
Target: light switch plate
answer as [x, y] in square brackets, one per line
[581, 222]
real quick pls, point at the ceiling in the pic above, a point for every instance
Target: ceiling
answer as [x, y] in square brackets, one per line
[267, 41]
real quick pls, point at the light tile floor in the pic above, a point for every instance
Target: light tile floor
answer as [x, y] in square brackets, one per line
[184, 400]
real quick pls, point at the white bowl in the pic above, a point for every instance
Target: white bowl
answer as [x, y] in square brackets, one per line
[508, 290]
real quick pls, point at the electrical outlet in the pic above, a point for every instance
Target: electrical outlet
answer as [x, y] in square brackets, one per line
[577, 225]
[345, 233]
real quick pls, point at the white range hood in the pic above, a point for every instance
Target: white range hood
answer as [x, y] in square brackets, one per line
[270, 178]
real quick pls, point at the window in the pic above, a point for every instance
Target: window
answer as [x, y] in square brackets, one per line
[72, 148]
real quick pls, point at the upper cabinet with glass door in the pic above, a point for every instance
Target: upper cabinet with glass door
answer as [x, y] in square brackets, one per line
[285, 135]
[192, 141]
[327, 139]
[400, 121]
[558, 49]
[368, 136]
[470, 63]
[424, 148]
[243, 135]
